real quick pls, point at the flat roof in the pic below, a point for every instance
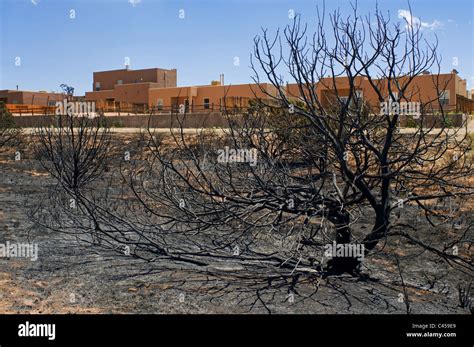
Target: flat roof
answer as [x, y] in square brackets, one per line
[210, 85]
[28, 91]
[151, 68]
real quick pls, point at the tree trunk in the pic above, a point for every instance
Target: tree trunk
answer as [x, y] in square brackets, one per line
[339, 265]
[378, 232]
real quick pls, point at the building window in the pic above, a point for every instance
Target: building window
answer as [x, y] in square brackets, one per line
[444, 97]
[206, 103]
[97, 86]
[119, 82]
[159, 104]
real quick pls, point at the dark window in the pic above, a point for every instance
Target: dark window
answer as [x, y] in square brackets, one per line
[444, 97]
[206, 103]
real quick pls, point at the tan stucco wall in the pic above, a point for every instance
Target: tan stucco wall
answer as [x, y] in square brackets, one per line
[108, 79]
[422, 88]
[30, 98]
[215, 94]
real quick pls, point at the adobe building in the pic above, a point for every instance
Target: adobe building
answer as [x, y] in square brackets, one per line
[212, 98]
[22, 97]
[128, 88]
[119, 90]
[122, 90]
[452, 88]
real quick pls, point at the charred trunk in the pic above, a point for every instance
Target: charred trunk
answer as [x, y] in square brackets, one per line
[342, 264]
[378, 232]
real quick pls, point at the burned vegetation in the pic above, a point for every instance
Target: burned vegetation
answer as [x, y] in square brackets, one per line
[298, 200]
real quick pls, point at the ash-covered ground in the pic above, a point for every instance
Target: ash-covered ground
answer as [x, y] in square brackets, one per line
[70, 277]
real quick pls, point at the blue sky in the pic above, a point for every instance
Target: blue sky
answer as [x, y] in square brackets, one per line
[54, 48]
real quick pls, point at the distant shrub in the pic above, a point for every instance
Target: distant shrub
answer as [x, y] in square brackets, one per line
[6, 118]
[447, 121]
[411, 123]
[117, 124]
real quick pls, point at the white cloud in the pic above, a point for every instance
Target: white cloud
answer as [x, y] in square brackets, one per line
[134, 2]
[34, 2]
[416, 22]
